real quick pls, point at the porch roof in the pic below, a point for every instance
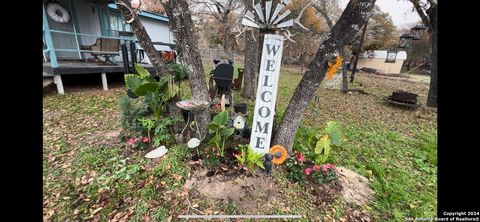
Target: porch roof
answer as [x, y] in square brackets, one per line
[145, 14]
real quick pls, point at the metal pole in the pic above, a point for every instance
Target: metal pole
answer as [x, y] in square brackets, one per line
[48, 40]
[358, 52]
[75, 26]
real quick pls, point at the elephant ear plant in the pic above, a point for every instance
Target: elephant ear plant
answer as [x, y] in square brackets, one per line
[331, 137]
[219, 129]
[156, 93]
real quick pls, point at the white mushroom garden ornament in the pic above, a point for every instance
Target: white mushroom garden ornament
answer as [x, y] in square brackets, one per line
[193, 143]
[156, 153]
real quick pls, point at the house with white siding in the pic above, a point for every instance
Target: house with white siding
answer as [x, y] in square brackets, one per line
[378, 60]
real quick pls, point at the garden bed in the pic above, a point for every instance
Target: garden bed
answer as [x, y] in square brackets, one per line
[89, 176]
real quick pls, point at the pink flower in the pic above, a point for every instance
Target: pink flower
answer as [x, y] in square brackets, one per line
[214, 149]
[145, 139]
[137, 139]
[316, 167]
[327, 167]
[308, 170]
[330, 166]
[324, 169]
[131, 141]
[300, 157]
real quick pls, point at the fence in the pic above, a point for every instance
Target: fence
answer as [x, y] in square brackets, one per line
[208, 55]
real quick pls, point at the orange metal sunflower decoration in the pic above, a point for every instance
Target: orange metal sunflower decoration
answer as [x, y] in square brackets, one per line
[332, 68]
[279, 154]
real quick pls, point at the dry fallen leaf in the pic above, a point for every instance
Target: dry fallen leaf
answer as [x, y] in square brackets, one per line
[177, 177]
[96, 210]
[146, 218]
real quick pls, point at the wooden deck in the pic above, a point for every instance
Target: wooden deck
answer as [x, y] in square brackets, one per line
[82, 67]
[53, 75]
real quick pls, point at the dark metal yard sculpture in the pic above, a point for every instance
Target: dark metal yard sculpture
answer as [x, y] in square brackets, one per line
[267, 163]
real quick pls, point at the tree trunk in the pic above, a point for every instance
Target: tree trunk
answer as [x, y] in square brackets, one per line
[344, 72]
[261, 35]
[352, 76]
[181, 25]
[144, 40]
[324, 13]
[355, 15]
[226, 32]
[432, 92]
[409, 64]
[250, 61]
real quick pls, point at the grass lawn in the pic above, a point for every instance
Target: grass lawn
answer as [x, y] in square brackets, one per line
[89, 175]
[422, 78]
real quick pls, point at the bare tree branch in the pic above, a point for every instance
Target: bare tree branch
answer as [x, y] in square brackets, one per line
[423, 15]
[323, 12]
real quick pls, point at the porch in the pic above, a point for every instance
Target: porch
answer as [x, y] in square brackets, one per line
[83, 67]
[68, 44]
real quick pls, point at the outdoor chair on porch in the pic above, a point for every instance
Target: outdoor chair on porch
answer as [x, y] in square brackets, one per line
[105, 47]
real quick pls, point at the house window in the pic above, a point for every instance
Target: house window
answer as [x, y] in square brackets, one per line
[117, 23]
[391, 56]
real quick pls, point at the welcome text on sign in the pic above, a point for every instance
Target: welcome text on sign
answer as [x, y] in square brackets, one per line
[266, 93]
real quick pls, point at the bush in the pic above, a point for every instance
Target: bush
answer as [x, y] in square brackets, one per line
[130, 111]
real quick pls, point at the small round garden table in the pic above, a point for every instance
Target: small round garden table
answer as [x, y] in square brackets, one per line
[192, 107]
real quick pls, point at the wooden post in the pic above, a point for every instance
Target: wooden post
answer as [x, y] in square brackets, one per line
[57, 79]
[104, 81]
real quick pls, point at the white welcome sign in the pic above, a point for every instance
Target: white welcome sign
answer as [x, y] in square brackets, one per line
[266, 93]
[271, 18]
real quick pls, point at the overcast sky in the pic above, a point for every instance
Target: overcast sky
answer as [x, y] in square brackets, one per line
[400, 11]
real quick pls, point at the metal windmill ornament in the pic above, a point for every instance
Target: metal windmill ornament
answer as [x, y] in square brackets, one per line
[273, 20]
[270, 19]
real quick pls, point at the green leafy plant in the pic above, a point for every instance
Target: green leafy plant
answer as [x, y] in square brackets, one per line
[213, 158]
[161, 132]
[177, 70]
[249, 158]
[220, 131]
[322, 143]
[158, 129]
[295, 168]
[331, 137]
[148, 123]
[156, 93]
[301, 169]
[130, 111]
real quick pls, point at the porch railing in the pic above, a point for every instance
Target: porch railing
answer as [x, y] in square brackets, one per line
[51, 50]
